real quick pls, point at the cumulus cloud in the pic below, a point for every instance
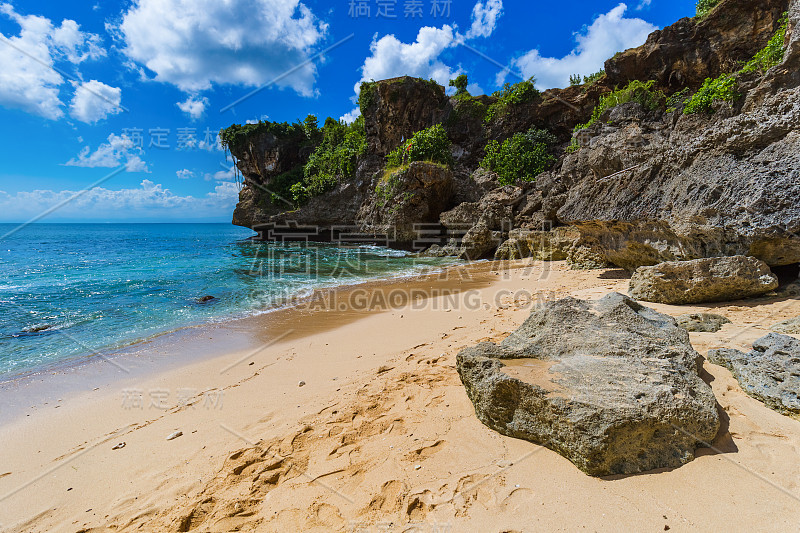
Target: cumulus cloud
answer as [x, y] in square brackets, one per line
[351, 116]
[94, 101]
[194, 106]
[28, 80]
[220, 175]
[608, 34]
[484, 18]
[185, 174]
[119, 150]
[390, 57]
[644, 4]
[193, 44]
[148, 200]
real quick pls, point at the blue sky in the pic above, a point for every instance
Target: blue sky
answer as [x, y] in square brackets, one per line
[139, 89]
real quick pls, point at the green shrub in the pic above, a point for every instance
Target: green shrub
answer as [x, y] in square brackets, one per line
[522, 157]
[460, 83]
[509, 95]
[238, 133]
[465, 105]
[431, 144]
[334, 160]
[723, 88]
[678, 99]
[635, 91]
[772, 54]
[704, 7]
[591, 78]
[367, 95]
[575, 79]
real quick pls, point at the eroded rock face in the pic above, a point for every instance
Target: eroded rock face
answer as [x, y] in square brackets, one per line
[720, 279]
[405, 198]
[770, 373]
[400, 107]
[702, 322]
[260, 158]
[611, 385]
[691, 50]
[560, 244]
[692, 186]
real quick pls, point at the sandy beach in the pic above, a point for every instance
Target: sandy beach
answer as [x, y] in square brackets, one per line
[349, 416]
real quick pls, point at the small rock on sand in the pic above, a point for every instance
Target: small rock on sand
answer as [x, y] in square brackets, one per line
[173, 436]
[301, 384]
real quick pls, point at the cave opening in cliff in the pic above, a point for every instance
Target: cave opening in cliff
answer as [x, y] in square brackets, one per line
[787, 274]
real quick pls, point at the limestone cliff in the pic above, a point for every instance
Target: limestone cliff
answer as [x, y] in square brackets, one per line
[649, 185]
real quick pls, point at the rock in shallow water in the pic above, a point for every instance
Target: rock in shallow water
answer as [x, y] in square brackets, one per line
[717, 279]
[770, 373]
[611, 385]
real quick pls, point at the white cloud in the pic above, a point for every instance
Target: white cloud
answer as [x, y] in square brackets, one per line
[117, 151]
[351, 116]
[194, 106]
[391, 57]
[484, 18]
[608, 34]
[28, 80]
[220, 175]
[193, 44]
[644, 4]
[148, 200]
[185, 174]
[475, 90]
[94, 101]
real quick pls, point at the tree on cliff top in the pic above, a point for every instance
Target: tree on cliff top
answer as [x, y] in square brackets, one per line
[460, 83]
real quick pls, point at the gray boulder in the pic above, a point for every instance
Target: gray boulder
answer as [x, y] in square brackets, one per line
[770, 373]
[702, 322]
[611, 385]
[718, 279]
[789, 327]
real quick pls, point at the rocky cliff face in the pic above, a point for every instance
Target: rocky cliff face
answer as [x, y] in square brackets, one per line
[691, 50]
[260, 158]
[678, 187]
[396, 109]
[650, 186]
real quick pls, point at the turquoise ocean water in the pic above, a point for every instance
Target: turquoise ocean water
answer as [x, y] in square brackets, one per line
[68, 291]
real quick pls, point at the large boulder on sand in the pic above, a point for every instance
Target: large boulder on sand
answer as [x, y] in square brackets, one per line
[717, 279]
[611, 385]
[770, 373]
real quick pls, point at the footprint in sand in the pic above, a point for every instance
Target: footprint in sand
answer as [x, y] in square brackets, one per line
[426, 451]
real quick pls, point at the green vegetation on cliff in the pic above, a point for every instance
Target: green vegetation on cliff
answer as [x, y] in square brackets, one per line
[636, 91]
[704, 7]
[522, 157]
[511, 95]
[725, 88]
[431, 144]
[722, 89]
[460, 83]
[239, 133]
[367, 95]
[334, 160]
[772, 54]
